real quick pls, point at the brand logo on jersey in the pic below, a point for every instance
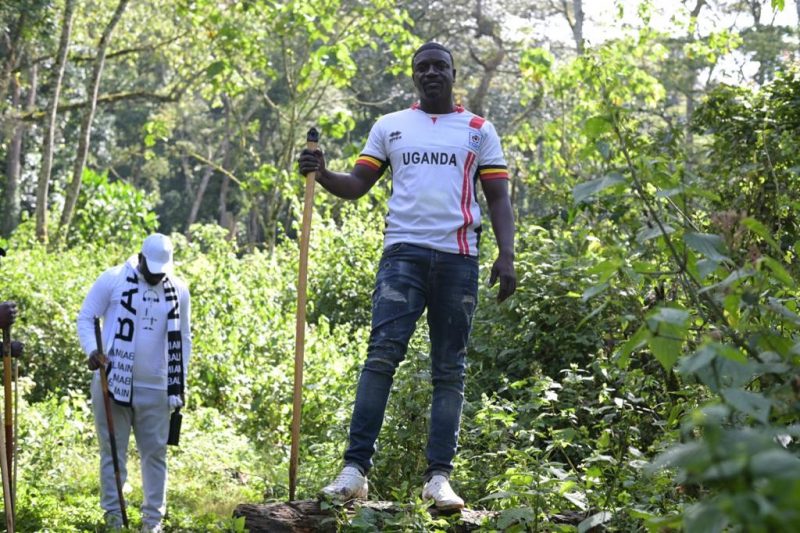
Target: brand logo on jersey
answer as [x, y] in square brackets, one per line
[395, 136]
[429, 158]
[474, 139]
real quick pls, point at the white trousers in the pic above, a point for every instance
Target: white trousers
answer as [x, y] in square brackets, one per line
[149, 418]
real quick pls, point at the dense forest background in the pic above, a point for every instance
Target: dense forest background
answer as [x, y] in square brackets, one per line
[646, 374]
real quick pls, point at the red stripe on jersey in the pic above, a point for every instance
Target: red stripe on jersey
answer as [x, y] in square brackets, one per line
[499, 175]
[476, 122]
[370, 162]
[466, 197]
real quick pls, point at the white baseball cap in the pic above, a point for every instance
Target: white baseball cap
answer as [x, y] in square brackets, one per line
[157, 249]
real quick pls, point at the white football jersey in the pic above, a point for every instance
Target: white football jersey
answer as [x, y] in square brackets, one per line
[436, 161]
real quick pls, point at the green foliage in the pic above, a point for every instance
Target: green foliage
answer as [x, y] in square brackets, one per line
[547, 324]
[111, 212]
[412, 517]
[213, 470]
[49, 289]
[345, 256]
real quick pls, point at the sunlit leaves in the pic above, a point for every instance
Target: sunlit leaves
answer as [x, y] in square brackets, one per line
[336, 125]
[707, 51]
[536, 66]
[582, 192]
[596, 126]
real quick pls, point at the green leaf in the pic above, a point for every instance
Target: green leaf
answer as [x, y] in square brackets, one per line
[664, 523]
[214, 69]
[778, 4]
[636, 341]
[774, 305]
[678, 456]
[706, 267]
[668, 315]
[704, 518]
[749, 403]
[778, 272]
[582, 191]
[666, 350]
[510, 517]
[593, 291]
[606, 269]
[775, 464]
[596, 126]
[729, 352]
[646, 233]
[605, 149]
[594, 521]
[697, 361]
[733, 278]
[761, 230]
[727, 373]
[668, 326]
[707, 244]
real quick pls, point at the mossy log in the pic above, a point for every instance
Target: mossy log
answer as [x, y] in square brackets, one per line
[306, 516]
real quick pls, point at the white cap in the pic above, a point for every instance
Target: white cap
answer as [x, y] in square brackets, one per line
[157, 249]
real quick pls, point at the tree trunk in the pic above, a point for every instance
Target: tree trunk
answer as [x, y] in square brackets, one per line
[222, 209]
[11, 54]
[575, 17]
[577, 27]
[306, 516]
[11, 205]
[691, 81]
[86, 124]
[486, 27]
[13, 154]
[50, 124]
[224, 152]
[198, 199]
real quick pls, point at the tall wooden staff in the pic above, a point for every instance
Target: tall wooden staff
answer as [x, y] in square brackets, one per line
[312, 142]
[5, 464]
[112, 439]
[9, 404]
[16, 432]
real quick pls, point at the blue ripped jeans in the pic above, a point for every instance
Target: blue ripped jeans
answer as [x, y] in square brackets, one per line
[411, 278]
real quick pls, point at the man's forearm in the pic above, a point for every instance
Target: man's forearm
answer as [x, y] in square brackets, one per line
[502, 219]
[344, 185]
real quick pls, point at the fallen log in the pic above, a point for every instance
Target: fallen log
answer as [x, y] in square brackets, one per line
[305, 516]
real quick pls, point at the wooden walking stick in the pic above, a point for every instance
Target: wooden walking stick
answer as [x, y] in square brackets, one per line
[9, 404]
[112, 440]
[8, 499]
[312, 140]
[16, 432]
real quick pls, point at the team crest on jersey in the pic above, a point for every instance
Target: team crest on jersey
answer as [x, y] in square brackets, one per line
[474, 139]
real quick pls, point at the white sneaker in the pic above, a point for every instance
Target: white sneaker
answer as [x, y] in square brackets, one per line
[350, 484]
[438, 489]
[157, 528]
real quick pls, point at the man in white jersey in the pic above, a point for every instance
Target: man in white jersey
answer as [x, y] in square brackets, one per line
[437, 153]
[147, 340]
